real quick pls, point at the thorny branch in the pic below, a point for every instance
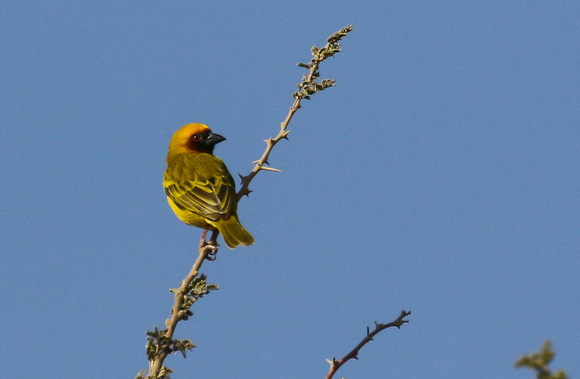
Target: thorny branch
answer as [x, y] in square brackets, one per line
[306, 88]
[161, 342]
[336, 364]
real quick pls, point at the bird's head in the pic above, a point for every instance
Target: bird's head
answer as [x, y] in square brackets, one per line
[194, 138]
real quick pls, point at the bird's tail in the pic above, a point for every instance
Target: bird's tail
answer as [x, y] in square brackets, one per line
[234, 233]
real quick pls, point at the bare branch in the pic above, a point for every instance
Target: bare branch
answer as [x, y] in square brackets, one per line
[336, 364]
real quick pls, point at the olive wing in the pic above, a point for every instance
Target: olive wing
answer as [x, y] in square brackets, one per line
[205, 188]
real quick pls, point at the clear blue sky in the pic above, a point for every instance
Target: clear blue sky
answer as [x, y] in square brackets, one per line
[440, 176]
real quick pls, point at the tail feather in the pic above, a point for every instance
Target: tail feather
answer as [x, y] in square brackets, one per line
[234, 233]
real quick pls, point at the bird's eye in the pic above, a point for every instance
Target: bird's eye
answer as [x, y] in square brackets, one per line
[196, 137]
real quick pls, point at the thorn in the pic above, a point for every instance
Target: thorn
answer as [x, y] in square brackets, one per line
[329, 361]
[243, 178]
[269, 169]
[284, 135]
[244, 192]
[368, 331]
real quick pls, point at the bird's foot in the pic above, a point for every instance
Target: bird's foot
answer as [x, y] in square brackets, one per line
[210, 250]
[202, 242]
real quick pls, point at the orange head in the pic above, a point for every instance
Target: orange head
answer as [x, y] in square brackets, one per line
[194, 138]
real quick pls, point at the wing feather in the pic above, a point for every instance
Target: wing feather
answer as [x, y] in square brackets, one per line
[200, 183]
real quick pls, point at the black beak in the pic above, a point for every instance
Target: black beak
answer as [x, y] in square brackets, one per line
[213, 139]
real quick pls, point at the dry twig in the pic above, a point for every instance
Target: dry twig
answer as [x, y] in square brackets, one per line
[336, 364]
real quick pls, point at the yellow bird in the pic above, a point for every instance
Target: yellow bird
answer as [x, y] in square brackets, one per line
[199, 187]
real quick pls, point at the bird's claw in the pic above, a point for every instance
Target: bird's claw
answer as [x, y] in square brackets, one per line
[210, 250]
